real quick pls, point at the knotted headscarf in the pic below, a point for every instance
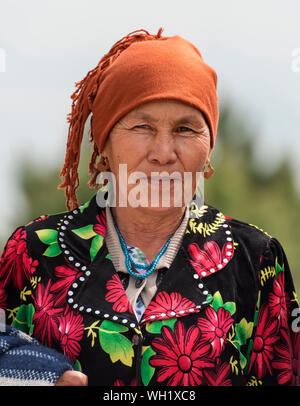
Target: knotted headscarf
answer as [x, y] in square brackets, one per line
[139, 68]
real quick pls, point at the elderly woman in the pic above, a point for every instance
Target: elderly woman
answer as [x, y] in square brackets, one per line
[136, 293]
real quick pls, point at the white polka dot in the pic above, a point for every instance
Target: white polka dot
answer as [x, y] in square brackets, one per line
[152, 317]
[212, 270]
[81, 308]
[229, 239]
[203, 273]
[124, 321]
[200, 285]
[97, 311]
[220, 266]
[205, 292]
[115, 318]
[71, 258]
[83, 268]
[75, 285]
[88, 273]
[81, 279]
[163, 314]
[77, 264]
[225, 260]
[132, 325]
[227, 232]
[70, 293]
[228, 253]
[70, 300]
[88, 309]
[196, 276]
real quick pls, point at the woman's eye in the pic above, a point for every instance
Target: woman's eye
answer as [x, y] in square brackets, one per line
[185, 129]
[142, 126]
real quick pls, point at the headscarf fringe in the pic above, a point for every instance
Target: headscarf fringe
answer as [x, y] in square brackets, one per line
[82, 103]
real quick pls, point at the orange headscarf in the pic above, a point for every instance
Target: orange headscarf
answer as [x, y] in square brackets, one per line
[138, 68]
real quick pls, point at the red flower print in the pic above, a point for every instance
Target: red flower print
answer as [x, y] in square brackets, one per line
[71, 332]
[214, 329]
[119, 382]
[66, 275]
[117, 295]
[279, 301]
[180, 356]
[15, 264]
[168, 305]
[263, 345]
[218, 376]
[41, 218]
[3, 298]
[286, 358]
[45, 316]
[211, 259]
[100, 227]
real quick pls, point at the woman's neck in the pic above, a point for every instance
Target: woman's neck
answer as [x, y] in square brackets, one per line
[145, 229]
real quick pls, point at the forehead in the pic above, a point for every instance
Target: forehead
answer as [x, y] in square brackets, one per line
[163, 109]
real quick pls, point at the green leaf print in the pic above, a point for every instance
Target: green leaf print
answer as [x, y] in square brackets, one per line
[147, 370]
[49, 237]
[83, 207]
[77, 366]
[23, 319]
[155, 327]
[97, 243]
[218, 302]
[53, 250]
[278, 268]
[243, 331]
[114, 343]
[85, 232]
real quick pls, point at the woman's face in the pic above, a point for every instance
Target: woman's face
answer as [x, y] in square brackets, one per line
[159, 136]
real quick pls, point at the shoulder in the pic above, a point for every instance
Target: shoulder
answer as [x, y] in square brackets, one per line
[248, 237]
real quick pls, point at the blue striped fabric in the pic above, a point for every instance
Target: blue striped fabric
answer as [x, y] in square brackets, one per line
[24, 361]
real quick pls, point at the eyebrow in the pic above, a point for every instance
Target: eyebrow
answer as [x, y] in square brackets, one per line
[183, 120]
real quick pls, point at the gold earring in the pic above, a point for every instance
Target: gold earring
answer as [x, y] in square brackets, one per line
[208, 173]
[103, 164]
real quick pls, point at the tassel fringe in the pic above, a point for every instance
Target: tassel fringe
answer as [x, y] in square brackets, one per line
[82, 102]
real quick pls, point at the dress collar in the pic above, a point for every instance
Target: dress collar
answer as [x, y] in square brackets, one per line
[207, 248]
[117, 255]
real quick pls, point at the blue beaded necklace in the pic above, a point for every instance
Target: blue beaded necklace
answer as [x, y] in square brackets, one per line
[150, 268]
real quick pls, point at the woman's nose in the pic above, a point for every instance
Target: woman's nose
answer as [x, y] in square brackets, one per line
[162, 149]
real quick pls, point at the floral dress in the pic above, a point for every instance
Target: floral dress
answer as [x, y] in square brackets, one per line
[225, 313]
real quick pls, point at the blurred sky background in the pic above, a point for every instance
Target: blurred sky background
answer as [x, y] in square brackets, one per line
[49, 45]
